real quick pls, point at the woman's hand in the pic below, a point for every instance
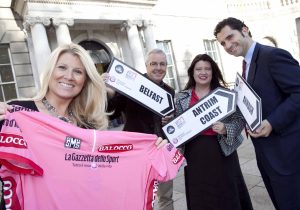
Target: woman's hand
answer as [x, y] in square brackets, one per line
[219, 128]
[160, 142]
[3, 108]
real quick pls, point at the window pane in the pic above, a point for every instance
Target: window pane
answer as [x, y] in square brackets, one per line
[167, 49]
[172, 83]
[209, 46]
[215, 56]
[4, 57]
[9, 91]
[170, 72]
[169, 59]
[170, 77]
[209, 53]
[6, 74]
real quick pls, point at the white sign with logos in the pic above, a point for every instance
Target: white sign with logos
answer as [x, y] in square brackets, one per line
[136, 86]
[248, 102]
[214, 107]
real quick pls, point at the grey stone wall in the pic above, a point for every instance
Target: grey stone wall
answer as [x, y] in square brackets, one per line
[11, 32]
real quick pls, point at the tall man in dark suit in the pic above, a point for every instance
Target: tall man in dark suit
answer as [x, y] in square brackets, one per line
[275, 76]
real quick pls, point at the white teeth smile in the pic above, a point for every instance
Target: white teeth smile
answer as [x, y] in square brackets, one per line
[66, 85]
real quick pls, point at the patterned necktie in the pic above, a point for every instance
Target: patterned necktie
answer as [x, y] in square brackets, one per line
[244, 69]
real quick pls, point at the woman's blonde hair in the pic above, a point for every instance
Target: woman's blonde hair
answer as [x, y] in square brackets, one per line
[89, 106]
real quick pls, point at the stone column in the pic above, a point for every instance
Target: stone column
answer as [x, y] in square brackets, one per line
[62, 30]
[39, 39]
[135, 45]
[149, 35]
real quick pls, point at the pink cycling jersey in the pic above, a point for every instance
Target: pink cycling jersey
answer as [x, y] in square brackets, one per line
[50, 164]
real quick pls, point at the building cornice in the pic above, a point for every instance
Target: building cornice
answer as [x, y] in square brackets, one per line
[66, 21]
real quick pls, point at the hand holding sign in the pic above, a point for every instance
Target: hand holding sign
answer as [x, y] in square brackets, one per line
[248, 102]
[214, 107]
[134, 85]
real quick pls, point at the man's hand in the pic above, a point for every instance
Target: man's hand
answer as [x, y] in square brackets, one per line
[110, 92]
[166, 119]
[263, 130]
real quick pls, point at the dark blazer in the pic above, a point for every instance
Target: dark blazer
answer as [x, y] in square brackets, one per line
[275, 76]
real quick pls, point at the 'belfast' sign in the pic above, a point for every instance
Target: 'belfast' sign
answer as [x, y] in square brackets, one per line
[134, 85]
[214, 107]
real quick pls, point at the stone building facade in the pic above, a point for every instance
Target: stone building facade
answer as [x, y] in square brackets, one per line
[31, 29]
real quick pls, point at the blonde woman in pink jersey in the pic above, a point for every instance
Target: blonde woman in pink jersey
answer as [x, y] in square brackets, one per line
[71, 90]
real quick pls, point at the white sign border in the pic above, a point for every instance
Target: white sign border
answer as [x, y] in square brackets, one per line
[132, 98]
[202, 99]
[252, 128]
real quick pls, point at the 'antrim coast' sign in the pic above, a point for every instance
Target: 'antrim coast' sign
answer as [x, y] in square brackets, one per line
[214, 107]
[134, 85]
[248, 102]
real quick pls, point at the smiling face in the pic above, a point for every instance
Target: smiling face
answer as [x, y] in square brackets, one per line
[235, 42]
[202, 73]
[156, 67]
[68, 78]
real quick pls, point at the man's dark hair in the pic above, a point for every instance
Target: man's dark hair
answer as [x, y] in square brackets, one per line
[233, 23]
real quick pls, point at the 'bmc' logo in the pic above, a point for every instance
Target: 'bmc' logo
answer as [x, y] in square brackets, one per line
[12, 140]
[71, 142]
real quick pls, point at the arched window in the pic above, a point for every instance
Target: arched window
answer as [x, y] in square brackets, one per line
[100, 55]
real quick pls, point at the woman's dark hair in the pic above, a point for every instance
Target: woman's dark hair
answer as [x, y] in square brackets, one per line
[217, 78]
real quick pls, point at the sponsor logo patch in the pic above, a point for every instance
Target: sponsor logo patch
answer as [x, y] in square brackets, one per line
[177, 157]
[170, 129]
[180, 122]
[71, 142]
[131, 75]
[12, 140]
[170, 147]
[119, 69]
[9, 193]
[114, 148]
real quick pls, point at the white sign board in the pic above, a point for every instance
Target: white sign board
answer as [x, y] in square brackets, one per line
[214, 107]
[136, 86]
[248, 102]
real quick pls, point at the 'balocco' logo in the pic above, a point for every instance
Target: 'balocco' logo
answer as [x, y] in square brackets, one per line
[113, 148]
[12, 140]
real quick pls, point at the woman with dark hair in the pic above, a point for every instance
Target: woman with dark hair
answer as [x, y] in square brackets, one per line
[213, 181]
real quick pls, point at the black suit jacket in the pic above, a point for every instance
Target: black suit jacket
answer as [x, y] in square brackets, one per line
[275, 76]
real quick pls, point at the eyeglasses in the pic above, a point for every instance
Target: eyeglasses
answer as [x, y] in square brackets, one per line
[162, 64]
